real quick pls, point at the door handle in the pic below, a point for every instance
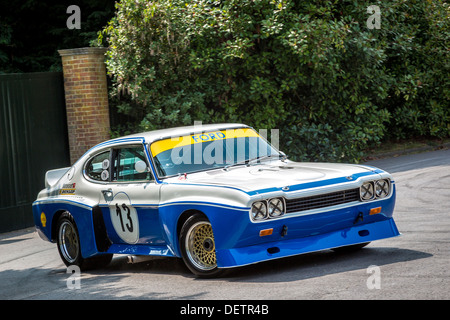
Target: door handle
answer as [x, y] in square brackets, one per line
[108, 195]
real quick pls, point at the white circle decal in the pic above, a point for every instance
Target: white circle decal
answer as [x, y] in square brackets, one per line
[125, 221]
[105, 164]
[105, 175]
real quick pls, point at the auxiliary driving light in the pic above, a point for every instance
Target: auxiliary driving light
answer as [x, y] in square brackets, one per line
[276, 207]
[382, 188]
[367, 191]
[259, 210]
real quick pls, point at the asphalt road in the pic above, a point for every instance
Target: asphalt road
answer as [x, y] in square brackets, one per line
[413, 266]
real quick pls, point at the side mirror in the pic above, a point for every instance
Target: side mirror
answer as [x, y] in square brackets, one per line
[140, 166]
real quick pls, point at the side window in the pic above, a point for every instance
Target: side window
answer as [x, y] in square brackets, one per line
[98, 167]
[130, 164]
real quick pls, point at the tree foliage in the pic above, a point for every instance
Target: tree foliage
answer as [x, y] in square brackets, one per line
[312, 69]
[31, 31]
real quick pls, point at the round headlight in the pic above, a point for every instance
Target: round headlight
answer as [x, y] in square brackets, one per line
[276, 207]
[382, 188]
[259, 210]
[367, 191]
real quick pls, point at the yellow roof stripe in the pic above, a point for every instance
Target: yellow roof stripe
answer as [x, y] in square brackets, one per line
[162, 145]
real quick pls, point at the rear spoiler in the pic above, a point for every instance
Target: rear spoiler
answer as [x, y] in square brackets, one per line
[53, 176]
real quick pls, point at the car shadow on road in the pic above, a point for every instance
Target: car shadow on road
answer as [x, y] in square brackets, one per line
[322, 263]
[305, 266]
[148, 264]
[9, 241]
[107, 283]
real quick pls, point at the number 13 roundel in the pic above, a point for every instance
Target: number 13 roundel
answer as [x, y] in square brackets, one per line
[125, 221]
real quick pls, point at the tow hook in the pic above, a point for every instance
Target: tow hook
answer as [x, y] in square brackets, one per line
[284, 231]
[358, 218]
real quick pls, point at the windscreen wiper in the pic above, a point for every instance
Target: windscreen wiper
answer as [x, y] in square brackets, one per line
[249, 161]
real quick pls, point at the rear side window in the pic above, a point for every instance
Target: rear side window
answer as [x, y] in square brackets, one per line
[98, 167]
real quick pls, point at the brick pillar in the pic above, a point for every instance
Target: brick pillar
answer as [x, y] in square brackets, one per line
[86, 98]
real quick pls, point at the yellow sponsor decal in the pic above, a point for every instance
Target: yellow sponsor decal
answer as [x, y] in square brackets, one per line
[68, 188]
[66, 191]
[43, 219]
[170, 143]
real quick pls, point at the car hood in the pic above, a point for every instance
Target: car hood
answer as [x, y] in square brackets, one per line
[275, 174]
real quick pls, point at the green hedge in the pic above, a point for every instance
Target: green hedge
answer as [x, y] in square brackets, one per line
[312, 69]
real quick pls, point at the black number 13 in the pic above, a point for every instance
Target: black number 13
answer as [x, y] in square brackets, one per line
[129, 224]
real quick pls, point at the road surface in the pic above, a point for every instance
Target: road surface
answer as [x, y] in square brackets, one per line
[413, 266]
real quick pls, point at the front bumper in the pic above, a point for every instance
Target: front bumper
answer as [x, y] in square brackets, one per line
[235, 257]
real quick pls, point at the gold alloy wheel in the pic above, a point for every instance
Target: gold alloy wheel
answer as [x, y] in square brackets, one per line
[200, 247]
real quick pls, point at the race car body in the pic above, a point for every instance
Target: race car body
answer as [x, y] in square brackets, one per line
[217, 196]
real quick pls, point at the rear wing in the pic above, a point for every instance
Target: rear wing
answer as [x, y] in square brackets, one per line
[53, 176]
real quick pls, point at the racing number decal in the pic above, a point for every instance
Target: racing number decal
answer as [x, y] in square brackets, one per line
[125, 221]
[119, 214]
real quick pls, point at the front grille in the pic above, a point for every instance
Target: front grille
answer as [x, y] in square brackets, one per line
[322, 200]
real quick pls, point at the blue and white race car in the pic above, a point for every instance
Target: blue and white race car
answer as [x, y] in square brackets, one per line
[217, 196]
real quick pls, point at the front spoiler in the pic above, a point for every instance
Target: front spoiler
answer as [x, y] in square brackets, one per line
[227, 258]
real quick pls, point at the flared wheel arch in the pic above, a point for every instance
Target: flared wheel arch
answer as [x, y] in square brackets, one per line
[196, 215]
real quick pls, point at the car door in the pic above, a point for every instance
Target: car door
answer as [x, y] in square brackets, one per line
[129, 200]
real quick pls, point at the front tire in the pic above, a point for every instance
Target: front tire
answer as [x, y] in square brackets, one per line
[198, 247]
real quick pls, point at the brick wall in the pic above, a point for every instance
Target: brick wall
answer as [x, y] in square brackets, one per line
[86, 96]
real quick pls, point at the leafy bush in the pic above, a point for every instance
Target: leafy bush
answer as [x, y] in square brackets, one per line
[311, 69]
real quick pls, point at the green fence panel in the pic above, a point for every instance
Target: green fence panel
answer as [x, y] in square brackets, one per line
[33, 139]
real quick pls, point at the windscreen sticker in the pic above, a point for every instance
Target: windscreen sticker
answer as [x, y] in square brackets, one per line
[170, 143]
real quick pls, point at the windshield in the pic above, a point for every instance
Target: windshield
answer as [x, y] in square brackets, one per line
[209, 150]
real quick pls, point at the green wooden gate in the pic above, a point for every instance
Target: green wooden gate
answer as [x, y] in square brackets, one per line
[33, 139]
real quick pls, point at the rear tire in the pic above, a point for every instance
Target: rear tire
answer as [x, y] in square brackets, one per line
[198, 247]
[69, 248]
